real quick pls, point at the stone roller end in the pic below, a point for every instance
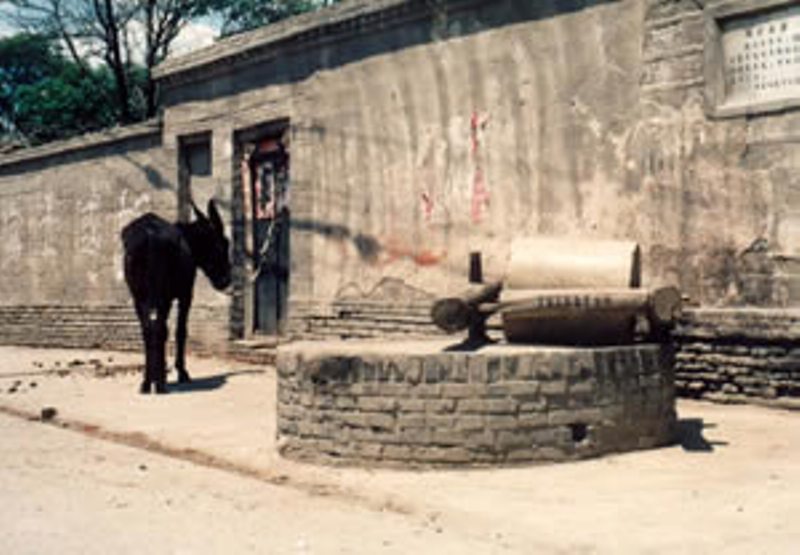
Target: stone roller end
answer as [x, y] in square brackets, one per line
[451, 315]
[665, 305]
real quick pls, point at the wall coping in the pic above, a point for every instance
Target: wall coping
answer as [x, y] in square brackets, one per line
[82, 142]
[309, 29]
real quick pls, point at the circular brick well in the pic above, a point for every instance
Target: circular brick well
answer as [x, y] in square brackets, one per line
[420, 404]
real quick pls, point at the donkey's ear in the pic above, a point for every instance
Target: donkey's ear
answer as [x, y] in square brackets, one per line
[213, 215]
[197, 214]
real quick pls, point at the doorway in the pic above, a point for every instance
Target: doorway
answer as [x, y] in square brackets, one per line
[266, 184]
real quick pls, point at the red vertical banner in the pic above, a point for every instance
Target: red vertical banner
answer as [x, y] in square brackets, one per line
[480, 193]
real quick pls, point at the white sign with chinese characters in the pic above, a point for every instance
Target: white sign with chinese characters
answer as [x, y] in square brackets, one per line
[762, 58]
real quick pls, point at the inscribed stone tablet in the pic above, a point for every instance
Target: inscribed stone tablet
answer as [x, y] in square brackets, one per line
[762, 58]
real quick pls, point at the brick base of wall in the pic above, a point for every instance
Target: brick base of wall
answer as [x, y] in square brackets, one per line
[740, 356]
[112, 327]
[416, 404]
[362, 320]
[85, 327]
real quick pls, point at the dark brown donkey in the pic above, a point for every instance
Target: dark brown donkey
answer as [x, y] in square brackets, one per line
[161, 261]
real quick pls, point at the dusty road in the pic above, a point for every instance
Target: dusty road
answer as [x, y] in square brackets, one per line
[63, 492]
[104, 484]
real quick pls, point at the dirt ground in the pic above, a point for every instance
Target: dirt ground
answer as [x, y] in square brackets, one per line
[197, 471]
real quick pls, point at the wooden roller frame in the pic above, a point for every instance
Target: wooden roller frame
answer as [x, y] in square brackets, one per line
[660, 306]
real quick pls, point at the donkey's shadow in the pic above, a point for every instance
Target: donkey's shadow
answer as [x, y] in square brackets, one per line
[690, 436]
[208, 383]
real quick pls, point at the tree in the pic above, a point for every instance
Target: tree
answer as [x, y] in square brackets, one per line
[44, 96]
[117, 32]
[24, 60]
[65, 105]
[243, 15]
[131, 37]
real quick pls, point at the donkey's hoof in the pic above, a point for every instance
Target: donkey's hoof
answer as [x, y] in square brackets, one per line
[183, 376]
[144, 389]
[161, 388]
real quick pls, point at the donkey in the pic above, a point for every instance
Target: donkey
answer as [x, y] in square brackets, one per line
[161, 261]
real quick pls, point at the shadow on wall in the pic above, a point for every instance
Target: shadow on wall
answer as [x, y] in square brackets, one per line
[154, 177]
[371, 249]
[441, 20]
[368, 247]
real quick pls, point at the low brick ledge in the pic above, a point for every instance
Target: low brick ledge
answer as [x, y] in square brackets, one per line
[781, 325]
[416, 404]
[740, 355]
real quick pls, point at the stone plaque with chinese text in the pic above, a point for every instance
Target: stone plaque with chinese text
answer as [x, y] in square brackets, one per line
[762, 58]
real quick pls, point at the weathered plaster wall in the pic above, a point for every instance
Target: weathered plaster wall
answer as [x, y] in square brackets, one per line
[425, 133]
[62, 208]
[414, 143]
[721, 202]
[62, 215]
[418, 139]
[465, 143]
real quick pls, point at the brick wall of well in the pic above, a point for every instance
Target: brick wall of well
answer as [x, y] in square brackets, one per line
[413, 403]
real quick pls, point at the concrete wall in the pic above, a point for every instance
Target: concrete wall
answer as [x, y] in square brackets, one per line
[720, 197]
[416, 142]
[423, 132]
[62, 208]
[422, 137]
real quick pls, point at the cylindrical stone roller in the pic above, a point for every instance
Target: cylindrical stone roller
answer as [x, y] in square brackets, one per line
[558, 263]
[660, 306]
[584, 317]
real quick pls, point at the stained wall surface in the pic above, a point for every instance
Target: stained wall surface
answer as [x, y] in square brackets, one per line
[420, 139]
[414, 143]
[62, 208]
[421, 131]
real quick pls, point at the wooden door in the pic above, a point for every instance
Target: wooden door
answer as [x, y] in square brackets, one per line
[269, 168]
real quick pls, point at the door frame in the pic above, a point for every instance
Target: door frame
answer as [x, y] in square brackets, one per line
[244, 141]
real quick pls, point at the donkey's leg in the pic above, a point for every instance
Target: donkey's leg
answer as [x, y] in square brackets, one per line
[180, 339]
[144, 324]
[160, 333]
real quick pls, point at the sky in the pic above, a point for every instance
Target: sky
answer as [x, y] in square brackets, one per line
[197, 34]
[194, 35]
[5, 29]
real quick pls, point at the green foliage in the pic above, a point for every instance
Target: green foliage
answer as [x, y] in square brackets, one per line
[243, 15]
[65, 105]
[45, 97]
[47, 93]
[25, 59]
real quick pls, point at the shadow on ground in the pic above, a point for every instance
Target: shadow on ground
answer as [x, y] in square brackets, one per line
[208, 383]
[690, 436]
[470, 345]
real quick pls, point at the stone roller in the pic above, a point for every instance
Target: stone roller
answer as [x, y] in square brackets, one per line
[452, 314]
[566, 291]
[587, 317]
[566, 263]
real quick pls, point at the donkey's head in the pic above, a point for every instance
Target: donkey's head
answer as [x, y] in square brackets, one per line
[211, 246]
